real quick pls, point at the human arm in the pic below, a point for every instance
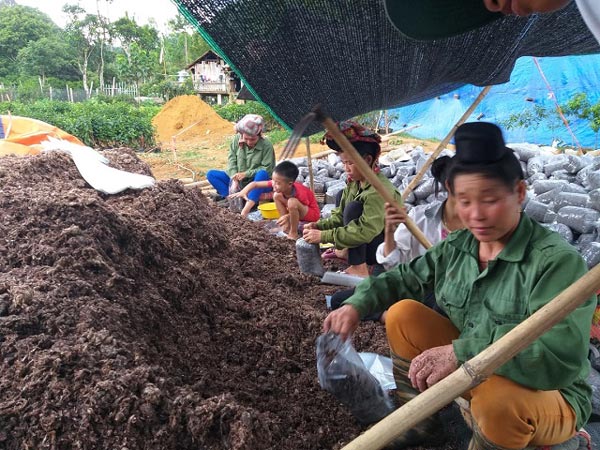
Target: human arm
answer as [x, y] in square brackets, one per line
[253, 185]
[232, 156]
[366, 227]
[396, 247]
[412, 280]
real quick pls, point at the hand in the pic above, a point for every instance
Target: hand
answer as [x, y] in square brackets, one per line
[394, 216]
[343, 321]
[241, 194]
[283, 221]
[432, 366]
[311, 236]
[239, 176]
[310, 226]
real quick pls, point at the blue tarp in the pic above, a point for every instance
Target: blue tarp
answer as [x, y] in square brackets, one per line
[566, 76]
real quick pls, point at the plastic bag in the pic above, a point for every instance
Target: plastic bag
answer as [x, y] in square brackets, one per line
[309, 258]
[571, 199]
[235, 204]
[536, 210]
[342, 373]
[525, 151]
[591, 254]
[569, 163]
[595, 199]
[561, 229]
[581, 220]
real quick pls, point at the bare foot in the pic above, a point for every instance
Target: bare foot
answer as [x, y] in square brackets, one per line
[358, 271]
[293, 236]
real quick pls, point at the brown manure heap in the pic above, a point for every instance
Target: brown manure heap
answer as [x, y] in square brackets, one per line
[153, 320]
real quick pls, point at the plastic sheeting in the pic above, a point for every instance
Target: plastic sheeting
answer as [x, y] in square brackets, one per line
[567, 76]
[345, 55]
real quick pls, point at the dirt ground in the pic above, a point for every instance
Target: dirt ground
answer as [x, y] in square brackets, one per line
[193, 138]
[154, 320]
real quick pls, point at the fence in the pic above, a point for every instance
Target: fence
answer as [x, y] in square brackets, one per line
[67, 94]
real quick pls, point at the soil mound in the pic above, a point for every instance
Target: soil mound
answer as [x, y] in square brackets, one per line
[206, 127]
[153, 320]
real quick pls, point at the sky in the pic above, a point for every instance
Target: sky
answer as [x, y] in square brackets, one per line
[161, 11]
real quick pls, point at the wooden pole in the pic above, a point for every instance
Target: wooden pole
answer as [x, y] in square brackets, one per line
[368, 173]
[413, 183]
[310, 167]
[477, 369]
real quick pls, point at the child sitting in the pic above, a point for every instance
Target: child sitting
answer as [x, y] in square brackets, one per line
[294, 201]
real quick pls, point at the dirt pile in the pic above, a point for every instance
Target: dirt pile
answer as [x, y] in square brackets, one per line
[153, 320]
[192, 122]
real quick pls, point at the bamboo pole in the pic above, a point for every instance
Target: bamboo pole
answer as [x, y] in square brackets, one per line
[443, 144]
[477, 369]
[310, 167]
[368, 173]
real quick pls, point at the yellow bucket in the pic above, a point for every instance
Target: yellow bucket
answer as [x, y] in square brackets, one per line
[268, 210]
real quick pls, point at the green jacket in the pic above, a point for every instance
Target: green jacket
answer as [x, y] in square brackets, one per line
[535, 266]
[368, 226]
[250, 160]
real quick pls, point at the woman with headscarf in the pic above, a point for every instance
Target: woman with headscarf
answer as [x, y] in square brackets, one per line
[251, 158]
[487, 278]
[357, 224]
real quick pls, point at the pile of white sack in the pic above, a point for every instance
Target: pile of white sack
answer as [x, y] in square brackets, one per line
[563, 195]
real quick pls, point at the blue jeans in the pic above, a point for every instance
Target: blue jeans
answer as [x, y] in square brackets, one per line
[220, 181]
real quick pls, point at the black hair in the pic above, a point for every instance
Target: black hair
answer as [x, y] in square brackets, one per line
[362, 147]
[288, 170]
[439, 170]
[507, 170]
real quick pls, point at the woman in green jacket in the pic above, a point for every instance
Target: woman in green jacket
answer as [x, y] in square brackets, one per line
[357, 223]
[251, 158]
[487, 278]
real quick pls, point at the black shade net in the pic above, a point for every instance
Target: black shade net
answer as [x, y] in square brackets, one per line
[346, 56]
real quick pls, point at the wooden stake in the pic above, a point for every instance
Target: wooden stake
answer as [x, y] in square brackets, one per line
[413, 183]
[310, 167]
[477, 369]
[368, 173]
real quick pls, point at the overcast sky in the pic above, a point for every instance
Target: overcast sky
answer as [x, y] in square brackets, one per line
[161, 11]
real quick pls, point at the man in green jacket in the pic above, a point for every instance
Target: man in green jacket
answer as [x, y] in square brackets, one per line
[487, 279]
[357, 223]
[251, 158]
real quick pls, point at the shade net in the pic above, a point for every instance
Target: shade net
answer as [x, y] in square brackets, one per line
[346, 56]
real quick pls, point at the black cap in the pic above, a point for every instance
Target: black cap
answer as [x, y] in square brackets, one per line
[479, 143]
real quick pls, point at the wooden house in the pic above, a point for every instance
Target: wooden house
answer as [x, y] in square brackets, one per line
[213, 78]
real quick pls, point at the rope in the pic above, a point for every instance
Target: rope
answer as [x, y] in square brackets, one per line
[558, 108]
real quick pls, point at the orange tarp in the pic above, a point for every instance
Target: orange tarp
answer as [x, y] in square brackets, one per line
[23, 135]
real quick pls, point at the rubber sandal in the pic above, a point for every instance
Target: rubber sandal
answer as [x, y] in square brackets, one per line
[329, 254]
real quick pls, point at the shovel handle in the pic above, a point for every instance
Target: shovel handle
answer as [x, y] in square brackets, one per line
[368, 173]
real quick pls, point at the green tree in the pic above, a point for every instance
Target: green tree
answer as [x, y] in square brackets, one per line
[47, 57]
[83, 35]
[580, 106]
[19, 26]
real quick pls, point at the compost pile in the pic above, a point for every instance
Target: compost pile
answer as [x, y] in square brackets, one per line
[190, 121]
[154, 320]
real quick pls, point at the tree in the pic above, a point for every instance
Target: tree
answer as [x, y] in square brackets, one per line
[47, 57]
[20, 25]
[83, 34]
[580, 106]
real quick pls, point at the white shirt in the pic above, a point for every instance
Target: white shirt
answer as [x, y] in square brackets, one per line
[590, 11]
[428, 219]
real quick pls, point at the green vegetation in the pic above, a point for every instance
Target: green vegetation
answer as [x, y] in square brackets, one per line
[577, 106]
[36, 54]
[98, 123]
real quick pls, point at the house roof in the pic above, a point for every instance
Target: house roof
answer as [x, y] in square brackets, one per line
[206, 55]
